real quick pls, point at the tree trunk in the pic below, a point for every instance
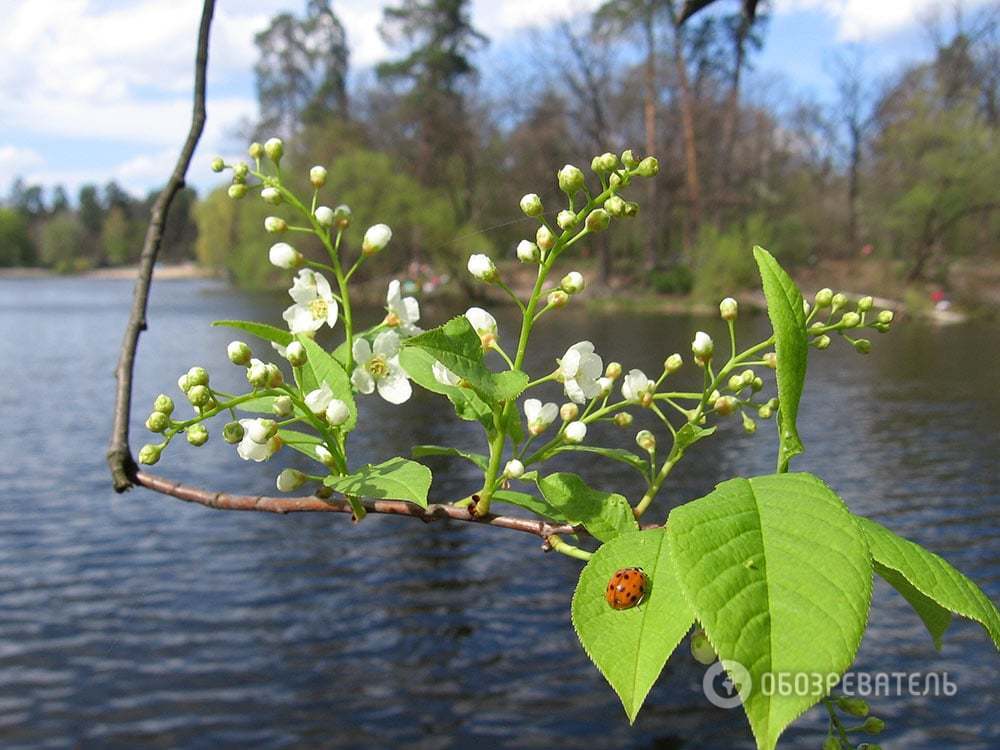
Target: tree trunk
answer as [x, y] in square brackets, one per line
[692, 180]
[649, 120]
[853, 187]
[732, 108]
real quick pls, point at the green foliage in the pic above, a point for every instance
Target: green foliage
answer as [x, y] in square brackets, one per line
[420, 451]
[267, 332]
[631, 646]
[396, 479]
[230, 238]
[676, 280]
[721, 261]
[16, 247]
[418, 364]
[605, 515]
[116, 238]
[61, 242]
[321, 368]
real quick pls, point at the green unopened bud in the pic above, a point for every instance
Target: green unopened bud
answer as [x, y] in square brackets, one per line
[184, 383]
[275, 225]
[570, 179]
[735, 383]
[566, 219]
[218, 164]
[873, 725]
[257, 374]
[282, 407]
[271, 196]
[149, 454]
[824, 297]
[885, 317]
[765, 412]
[295, 353]
[749, 426]
[239, 353]
[631, 210]
[863, 346]
[613, 370]
[274, 376]
[197, 435]
[568, 412]
[256, 150]
[615, 205]
[701, 648]
[850, 319]
[646, 440]
[237, 191]
[821, 342]
[528, 252]
[573, 282]
[756, 384]
[865, 304]
[317, 176]
[622, 419]
[673, 363]
[157, 422]
[771, 360]
[832, 743]
[838, 301]
[197, 376]
[342, 216]
[725, 405]
[274, 149]
[544, 238]
[240, 171]
[728, 308]
[853, 706]
[290, 480]
[598, 220]
[164, 403]
[531, 205]
[557, 298]
[628, 158]
[648, 167]
[233, 432]
[199, 395]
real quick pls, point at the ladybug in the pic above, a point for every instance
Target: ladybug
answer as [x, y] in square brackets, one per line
[627, 588]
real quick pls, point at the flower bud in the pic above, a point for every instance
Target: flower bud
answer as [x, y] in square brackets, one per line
[604, 163]
[284, 256]
[615, 205]
[573, 283]
[514, 469]
[557, 298]
[622, 419]
[240, 171]
[544, 238]
[237, 190]
[702, 347]
[317, 176]
[771, 360]
[274, 149]
[865, 304]
[256, 150]
[261, 430]
[218, 164]
[850, 319]
[863, 346]
[184, 383]
[598, 220]
[824, 297]
[342, 216]
[197, 435]
[197, 376]
[873, 725]
[271, 196]
[295, 353]
[821, 342]
[570, 179]
[290, 480]
[613, 370]
[725, 405]
[646, 440]
[673, 363]
[149, 454]
[735, 383]
[233, 432]
[531, 205]
[885, 317]
[157, 422]
[528, 252]
[648, 167]
[376, 238]
[199, 395]
[257, 374]
[164, 403]
[749, 426]
[838, 301]
[337, 413]
[568, 412]
[324, 216]
[274, 376]
[728, 309]
[765, 412]
[628, 158]
[482, 267]
[324, 456]
[566, 219]
[853, 706]
[282, 407]
[631, 210]
[275, 225]
[701, 648]
[575, 432]
[757, 383]
[238, 352]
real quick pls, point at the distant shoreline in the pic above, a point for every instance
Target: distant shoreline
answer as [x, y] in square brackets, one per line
[162, 272]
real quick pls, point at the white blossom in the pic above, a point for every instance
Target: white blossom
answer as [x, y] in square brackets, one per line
[539, 417]
[579, 370]
[514, 469]
[484, 324]
[575, 432]
[376, 238]
[443, 375]
[290, 480]
[259, 441]
[378, 367]
[702, 346]
[337, 412]
[635, 385]
[284, 256]
[317, 400]
[482, 267]
[404, 312]
[314, 303]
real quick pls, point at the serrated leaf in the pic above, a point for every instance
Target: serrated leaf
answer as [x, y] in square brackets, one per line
[529, 502]
[302, 442]
[935, 617]
[630, 646]
[419, 451]
[791, 345]
[779, 575]
[933, 577]
[616, 454]
[604, 514]
[320, 368]
[690, 434]
[264, 331]
[418, 364]
[395, 479]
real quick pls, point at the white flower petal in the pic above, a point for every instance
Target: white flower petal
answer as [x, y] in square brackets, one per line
[387, 344]
[570, 363]
[574, 392]
[394, 387]
[532, 408]
[443, 375]
[300, 319]
[362, 380]
[549, 413]
[362, 351]
[411, 309]
[481, 320]
[303, 289]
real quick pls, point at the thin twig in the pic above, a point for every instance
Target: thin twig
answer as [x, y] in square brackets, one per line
[120, 461]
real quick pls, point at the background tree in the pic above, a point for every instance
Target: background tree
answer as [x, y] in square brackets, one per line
[16, 247]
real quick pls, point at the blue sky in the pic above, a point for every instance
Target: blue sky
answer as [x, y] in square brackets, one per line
[101, 89]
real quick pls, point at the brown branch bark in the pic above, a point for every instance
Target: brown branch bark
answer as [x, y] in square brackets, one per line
[120, 461]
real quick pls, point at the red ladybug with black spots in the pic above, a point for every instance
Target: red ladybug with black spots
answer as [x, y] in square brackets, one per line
[627, 588]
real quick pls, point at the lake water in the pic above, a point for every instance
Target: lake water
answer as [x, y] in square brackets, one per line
[139, 620]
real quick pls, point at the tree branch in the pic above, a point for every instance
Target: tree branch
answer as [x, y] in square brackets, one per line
[120, 461]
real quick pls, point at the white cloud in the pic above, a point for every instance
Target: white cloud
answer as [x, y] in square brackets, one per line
[859, 20]
[15, 160]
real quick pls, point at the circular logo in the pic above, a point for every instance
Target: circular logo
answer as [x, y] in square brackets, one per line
[727, 684]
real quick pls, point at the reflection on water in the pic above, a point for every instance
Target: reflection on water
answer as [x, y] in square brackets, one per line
[137, 619]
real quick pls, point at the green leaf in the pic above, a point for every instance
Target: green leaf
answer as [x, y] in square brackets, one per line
[419, 451]
[779, 575]
[457, 346]
[259, 405]
[934, 578]
[418, 365]
[302, 442]
[791, 345]
[690, 434]
[616, 454]
[279, 336]
[630, 646]
[395, 479]
[604, 514]
[935, 617]
[320, 368]
[529, 502]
